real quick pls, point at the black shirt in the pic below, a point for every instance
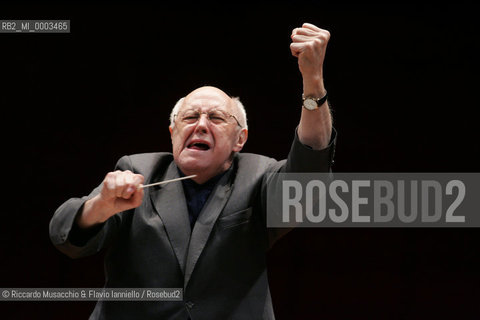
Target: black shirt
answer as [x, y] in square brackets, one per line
[197, 195]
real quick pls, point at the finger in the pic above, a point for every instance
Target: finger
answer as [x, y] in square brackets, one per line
[109, 184]
[306, 32]
[311, 26]
[301, 38]
[319, 33]
[129, 187]
[119, 184]
[294, 53]
[296, 48]
[138, 179]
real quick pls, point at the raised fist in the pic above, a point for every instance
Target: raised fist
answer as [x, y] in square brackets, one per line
[309, 44]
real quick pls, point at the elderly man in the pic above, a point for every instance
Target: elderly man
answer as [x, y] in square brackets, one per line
[207, 236]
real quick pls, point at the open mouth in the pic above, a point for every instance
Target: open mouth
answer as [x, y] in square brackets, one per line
[198, 146]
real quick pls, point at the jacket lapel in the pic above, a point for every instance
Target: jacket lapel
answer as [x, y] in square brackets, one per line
[205, 222]
[169, 201]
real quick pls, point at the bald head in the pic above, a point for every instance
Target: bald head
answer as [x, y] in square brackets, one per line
[207, 92]
[211, 96]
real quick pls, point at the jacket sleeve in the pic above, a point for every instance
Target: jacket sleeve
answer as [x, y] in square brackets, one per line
[75, 242]
[301, 159]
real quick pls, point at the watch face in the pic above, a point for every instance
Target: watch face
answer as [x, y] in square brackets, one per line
[310, 104]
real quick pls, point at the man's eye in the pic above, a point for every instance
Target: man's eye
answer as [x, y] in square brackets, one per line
[187, 118]
[216, 117]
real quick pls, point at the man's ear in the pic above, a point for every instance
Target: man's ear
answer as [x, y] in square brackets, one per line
[242, 139]
[171, 133]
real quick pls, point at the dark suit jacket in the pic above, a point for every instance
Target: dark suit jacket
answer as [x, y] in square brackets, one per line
[220, 264]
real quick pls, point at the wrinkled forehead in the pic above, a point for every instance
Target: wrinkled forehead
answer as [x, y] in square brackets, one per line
[207, 99]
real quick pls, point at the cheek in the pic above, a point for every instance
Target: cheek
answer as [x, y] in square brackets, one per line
[177, 142]
[175, 148]
[226, 141]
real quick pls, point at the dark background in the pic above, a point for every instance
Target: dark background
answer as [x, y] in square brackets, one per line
[402, 82]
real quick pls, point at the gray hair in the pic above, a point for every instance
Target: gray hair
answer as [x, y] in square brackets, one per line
[242, 119]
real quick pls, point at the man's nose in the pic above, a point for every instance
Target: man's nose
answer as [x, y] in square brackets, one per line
[202, 124]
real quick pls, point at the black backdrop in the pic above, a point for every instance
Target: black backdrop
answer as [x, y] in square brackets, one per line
[402, 83]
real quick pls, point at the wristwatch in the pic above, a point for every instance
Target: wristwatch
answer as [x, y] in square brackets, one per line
[311, 103]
